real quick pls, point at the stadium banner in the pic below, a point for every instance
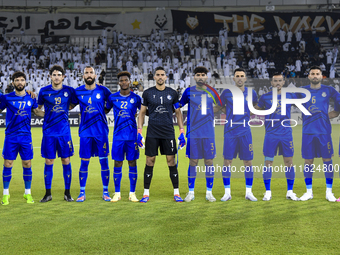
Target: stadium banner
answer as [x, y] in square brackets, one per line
[257, 22]
[55, 39]
[74, 120]
[85, 24]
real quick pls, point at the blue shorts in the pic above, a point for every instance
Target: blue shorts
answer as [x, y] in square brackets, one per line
[198, 148]
[94, 147]
[242, 145]
[18, 144]
[121, 148]
[278, 145]
[316, 146]
[50, 145]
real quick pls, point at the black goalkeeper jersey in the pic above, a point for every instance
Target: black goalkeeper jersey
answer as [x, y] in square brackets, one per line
[160, 105]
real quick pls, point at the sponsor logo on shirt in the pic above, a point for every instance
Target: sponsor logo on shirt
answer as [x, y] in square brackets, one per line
[90, 109]
[57, 108]
[160, 109]
[21, 113]
[123, 114]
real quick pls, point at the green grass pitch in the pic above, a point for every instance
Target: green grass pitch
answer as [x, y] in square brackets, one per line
[162, 226]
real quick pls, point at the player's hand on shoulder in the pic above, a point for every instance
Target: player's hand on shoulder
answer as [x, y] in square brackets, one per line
[31, 93]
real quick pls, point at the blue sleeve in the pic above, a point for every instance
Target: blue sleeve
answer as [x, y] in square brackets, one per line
[184, 98]
[255, 100]
[2, 102]
[335, 95]
[35, 104]
[261, 102]
[107, 93]
[224, 97]
[74, 98]
[40, 98]
[108, 103]
[294, 95]
[336, 106]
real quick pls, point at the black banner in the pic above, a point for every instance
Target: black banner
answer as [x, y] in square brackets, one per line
[257, 22]
[73, 118]
[55, 39]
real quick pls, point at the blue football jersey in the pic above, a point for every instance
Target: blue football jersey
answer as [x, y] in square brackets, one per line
[56, 104]
[124, 111]
[241, 127]
[318, 122]
[275, 127]
[18, 115]
[93, 120]
[198, 125]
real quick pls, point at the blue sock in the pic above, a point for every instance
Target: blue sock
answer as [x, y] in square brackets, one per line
[133, 178]
[117, 177]
[67, 172]
[48, 173]
[192, 177]
[27, 174]
[6, 176]
[267, 176]
[329, 173]
[83, 172]
[209, 176]
[290, 175]
[249, 175]
[226, 174]
[267, 184]
[308, 174]
[104, 163]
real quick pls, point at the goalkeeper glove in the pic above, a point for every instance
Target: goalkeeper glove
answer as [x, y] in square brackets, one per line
[181, 139]
[140, 138]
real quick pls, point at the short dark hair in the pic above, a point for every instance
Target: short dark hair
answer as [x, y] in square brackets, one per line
[86, 67]
[123, 73]
[316, 67]
[277, 74]
[17, 75]
[240, 70]
[200, 69]
[159, 68]
[57, 68]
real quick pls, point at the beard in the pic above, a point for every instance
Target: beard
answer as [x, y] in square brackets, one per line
[315, 81]
[19, 88]
[89, 81]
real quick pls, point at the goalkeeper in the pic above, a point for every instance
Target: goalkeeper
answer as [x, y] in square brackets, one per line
[160, 101]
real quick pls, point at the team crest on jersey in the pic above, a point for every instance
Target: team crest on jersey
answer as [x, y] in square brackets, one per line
[65, 94]
[29, 103]
[132, 101]
[169, 97]
[98, 96]
[324, 94]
